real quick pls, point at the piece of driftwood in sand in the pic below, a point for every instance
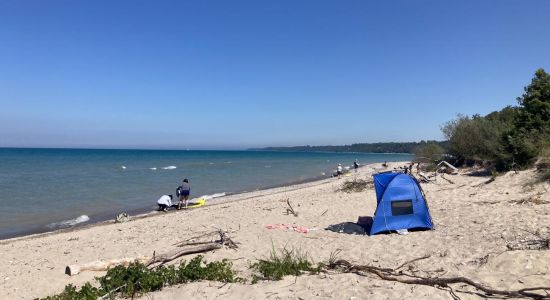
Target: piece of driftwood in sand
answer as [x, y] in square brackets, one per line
[104, 265]
[155, 260]
[440, 282]
[453, 168]
[447, 179]
[425, 178]
[290, 210]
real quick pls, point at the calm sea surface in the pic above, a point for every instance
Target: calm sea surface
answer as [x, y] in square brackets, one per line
[46, 189]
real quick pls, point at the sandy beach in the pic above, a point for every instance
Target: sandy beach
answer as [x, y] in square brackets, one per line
[474, 223]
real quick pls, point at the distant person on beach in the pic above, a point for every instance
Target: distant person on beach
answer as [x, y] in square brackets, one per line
[164, 202]
[339, 170]
[183, 192]
[385, 164]
[355, 165]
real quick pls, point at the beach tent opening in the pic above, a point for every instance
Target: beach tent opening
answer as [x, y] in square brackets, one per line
[400, 204]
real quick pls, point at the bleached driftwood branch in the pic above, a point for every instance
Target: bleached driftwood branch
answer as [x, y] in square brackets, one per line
[156, 260]
[403, 277]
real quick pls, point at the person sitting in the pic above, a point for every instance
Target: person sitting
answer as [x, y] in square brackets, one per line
[164, 202]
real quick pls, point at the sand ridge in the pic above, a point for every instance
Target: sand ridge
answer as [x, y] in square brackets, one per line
[474, 222]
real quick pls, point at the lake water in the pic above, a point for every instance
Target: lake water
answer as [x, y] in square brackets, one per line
[47, 189]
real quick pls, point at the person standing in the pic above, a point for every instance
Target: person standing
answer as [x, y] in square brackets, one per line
[339, 170]
[355, 165]
[183, 192]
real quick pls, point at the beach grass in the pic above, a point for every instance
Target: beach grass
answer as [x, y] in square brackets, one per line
[282, 263]
[355, 186]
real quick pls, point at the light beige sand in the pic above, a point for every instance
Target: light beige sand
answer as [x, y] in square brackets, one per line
[472, 220]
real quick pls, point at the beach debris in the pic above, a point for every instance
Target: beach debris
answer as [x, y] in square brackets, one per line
[347, 227]
[402, 231]
[189, 247]
[101, 265]
[301, 229]
[356, 185]
[446, 179]
[540, 242]
[290, 210]
[535, 199]
[122, 217]
[448, 168]
[409, 276]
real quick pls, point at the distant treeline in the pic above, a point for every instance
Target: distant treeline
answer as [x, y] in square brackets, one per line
[406, 147]
[515, 137]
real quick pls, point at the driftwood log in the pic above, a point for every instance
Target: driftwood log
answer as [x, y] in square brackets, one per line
[103, 265]
[407, 278]
[156, 260]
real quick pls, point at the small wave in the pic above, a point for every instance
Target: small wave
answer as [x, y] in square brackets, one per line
[267, 166]
[69, 223]
[123, 167]
[208, 197]
[169, 168]
[152, 169]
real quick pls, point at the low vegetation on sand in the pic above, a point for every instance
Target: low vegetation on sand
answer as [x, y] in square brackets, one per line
[286, 262]
[138, 279]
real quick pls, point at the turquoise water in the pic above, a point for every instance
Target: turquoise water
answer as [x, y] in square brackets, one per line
[45, 189]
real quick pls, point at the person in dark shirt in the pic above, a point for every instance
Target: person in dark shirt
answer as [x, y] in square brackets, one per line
[183, 191]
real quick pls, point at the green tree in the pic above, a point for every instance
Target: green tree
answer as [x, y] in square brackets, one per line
[431, 151]
[535, 105]
[532, 124]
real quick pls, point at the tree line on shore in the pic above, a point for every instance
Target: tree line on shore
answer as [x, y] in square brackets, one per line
[393, 147]
[513, 138]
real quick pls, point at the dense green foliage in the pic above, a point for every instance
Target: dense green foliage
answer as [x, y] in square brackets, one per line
[406, 147]
[137, 279]
[288, 262]
[507, 139]
[430, 152]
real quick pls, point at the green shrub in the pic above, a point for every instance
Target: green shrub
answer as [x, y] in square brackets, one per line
[543, 165]
[138, 279]
[430, 151]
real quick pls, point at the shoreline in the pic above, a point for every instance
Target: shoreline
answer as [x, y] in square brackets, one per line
[473, 222]
[140, 213]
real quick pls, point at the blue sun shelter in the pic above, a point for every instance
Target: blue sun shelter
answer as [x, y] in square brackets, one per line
[400, 204]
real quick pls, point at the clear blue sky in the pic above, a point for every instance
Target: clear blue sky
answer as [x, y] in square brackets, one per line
[236, 74]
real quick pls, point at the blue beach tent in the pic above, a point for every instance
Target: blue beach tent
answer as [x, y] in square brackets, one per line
[400, 204]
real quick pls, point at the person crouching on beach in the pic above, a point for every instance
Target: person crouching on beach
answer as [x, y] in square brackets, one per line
[164, 202]
[183, 192]
[339, 170]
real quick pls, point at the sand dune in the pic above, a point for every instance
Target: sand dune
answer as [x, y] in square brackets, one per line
[474, 223]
